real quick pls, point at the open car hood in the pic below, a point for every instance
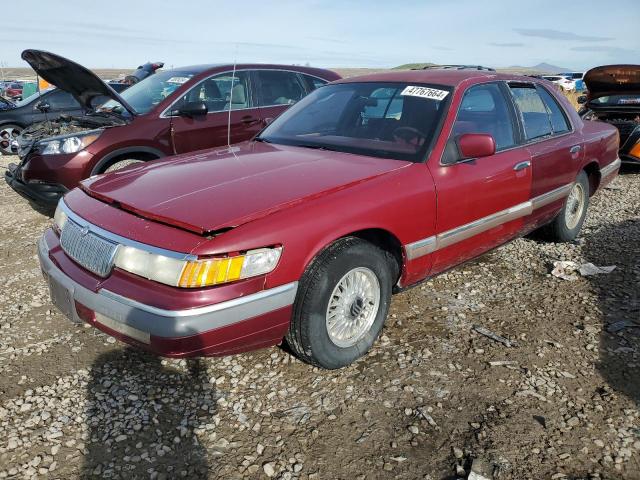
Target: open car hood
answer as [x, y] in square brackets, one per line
[71, 77]
[612, 80]
[214, 190]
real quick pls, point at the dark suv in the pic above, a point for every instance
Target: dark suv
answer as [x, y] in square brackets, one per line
[171, 112]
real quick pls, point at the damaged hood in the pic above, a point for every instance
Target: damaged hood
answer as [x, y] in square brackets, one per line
[219, 189]
[71, 77]
[612, 80]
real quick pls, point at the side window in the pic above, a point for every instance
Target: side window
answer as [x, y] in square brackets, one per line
[221, 92]
[559, 122]
[279, 87]
[61, 100]
[533, 110]
[484, 109]
[312, 82]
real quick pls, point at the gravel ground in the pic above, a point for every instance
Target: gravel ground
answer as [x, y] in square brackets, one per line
[432, 398]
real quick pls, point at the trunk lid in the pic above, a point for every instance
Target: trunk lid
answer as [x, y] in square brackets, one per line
[214, 190]
[612, 80]
[71, 77]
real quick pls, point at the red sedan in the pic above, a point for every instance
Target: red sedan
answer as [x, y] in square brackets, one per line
[367, 186]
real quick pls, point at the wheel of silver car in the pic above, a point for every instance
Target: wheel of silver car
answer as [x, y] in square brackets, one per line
[120, 164]
[567, 224]
[8, 134]
[342, 302]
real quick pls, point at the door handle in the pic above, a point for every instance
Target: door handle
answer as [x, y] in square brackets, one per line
[575, 149]
[522, 165]
[249, 120]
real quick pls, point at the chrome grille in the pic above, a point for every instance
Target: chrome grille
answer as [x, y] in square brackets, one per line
[88, 249]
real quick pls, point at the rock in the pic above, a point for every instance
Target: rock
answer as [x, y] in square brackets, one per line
[269, 469]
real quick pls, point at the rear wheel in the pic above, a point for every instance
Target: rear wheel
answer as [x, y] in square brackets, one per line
[566, 226]
[342, 303]
[8, 134]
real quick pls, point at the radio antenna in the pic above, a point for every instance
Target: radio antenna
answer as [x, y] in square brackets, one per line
[233, 79]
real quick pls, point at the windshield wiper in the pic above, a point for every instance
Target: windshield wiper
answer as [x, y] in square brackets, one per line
[262, 140]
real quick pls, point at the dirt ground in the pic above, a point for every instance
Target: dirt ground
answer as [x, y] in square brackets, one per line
[432, 397]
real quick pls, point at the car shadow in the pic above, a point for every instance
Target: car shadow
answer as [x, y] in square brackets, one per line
[142, 417]
[619, 301]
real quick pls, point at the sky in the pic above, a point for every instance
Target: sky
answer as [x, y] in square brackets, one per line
[123, 34]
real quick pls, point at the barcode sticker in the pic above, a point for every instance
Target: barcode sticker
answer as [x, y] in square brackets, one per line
[425, 92]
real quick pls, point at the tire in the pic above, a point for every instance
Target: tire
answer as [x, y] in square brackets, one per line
[8, 133]
[120, 164]
[314, 333]
[567, 224]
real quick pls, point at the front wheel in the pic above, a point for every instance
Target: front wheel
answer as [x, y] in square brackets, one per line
[8, 135]
[342, 303]
[566, 226]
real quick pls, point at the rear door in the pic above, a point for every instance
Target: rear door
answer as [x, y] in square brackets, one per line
[556, 151]
[277, 90]
[481, 202]
[229, 100]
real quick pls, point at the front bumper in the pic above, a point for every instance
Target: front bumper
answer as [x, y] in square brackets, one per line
[43, 194]
[246, 323]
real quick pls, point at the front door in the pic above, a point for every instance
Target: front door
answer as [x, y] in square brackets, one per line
[231, 114]
[481, 203]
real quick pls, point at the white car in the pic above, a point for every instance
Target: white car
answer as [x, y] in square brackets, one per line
[563, 82]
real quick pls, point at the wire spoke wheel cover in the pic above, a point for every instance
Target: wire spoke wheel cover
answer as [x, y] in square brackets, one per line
[353, 307]
[575, 206]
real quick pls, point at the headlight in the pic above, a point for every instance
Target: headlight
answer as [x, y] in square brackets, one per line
[196, 273]
[68, 144]
[60, 217]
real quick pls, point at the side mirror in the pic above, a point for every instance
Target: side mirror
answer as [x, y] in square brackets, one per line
[582, 99]
[476, 145]
[192, 109]
[43, 106]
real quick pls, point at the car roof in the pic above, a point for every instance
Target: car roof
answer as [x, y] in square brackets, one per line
[198, 69]
[446, 77]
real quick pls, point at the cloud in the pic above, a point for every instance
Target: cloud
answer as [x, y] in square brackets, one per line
[558, 35]
[507, 44]
[602, 49]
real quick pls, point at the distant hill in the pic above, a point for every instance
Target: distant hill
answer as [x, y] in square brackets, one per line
[539, 68]
[411, 66]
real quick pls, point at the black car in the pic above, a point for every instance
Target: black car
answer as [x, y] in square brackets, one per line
[614, 97]
[39, 107]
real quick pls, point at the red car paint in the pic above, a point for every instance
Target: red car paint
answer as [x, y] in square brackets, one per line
[223, 201]
[44, 178]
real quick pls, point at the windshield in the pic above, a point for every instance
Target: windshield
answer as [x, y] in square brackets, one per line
[620, 100]
[146, 94]
[389, 120]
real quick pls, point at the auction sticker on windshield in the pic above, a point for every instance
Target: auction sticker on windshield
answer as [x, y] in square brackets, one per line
[424, 92]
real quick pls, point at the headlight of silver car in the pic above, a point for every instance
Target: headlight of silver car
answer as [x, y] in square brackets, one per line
[68, 143]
